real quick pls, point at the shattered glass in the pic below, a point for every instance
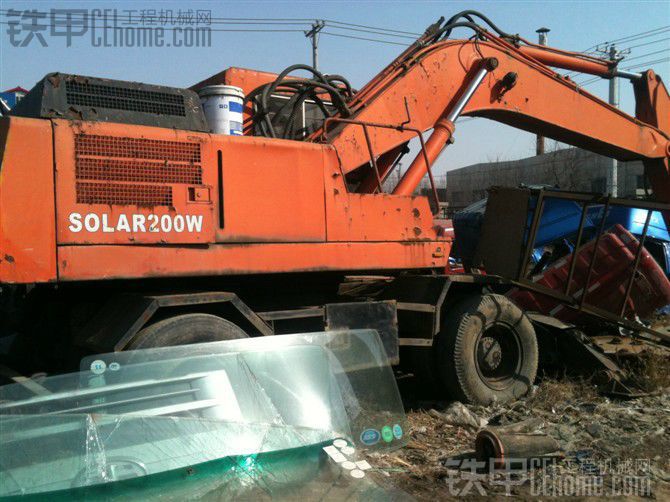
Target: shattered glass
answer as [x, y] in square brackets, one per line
[275, 417]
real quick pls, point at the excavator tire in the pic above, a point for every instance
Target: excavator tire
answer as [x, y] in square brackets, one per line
[487, 351]
[186, 329]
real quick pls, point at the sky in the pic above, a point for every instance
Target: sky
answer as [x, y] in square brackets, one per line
[574, 26]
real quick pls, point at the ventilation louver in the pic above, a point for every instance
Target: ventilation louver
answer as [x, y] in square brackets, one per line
[121, 170]
[76, 97]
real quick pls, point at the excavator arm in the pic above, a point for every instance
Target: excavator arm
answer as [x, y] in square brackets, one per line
[507, 80]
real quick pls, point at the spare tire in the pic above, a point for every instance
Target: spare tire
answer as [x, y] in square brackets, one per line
[487, 351]
[186, 329]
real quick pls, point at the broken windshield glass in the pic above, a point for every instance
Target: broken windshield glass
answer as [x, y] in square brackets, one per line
[286, 415]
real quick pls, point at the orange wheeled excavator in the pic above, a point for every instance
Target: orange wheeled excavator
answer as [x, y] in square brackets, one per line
[126, 223]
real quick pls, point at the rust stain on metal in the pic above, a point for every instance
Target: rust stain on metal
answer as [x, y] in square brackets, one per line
[55, 80]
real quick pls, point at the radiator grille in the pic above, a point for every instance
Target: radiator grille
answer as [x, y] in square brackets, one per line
[124, 171]
[113, 146]
[128, 170]
[118, 193]
[119, 98]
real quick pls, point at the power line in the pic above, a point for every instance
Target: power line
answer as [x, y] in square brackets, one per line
[333, 24]
[643, 34]
[256, 21]
[363, 38]
[271, 19]
[589, 81]
[645, 63]
[269, 22]
[629, 38]
[105, 27]
[368, 31]
[664, 51]
[208, 19]
[374, 28]
[648, 43]
[646, 34]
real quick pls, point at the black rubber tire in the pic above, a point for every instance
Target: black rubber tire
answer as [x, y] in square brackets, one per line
[458, 365]
[186, 329]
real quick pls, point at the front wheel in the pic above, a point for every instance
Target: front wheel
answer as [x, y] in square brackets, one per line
[186, 329]
[487, 351]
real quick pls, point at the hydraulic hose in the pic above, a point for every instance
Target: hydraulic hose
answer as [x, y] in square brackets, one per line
[321, 88]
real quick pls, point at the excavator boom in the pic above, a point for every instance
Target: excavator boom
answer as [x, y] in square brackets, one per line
[431, 84]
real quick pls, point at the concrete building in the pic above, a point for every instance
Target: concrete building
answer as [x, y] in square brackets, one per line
[569, 169]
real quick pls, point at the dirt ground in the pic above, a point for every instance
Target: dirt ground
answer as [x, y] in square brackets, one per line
[608, 446]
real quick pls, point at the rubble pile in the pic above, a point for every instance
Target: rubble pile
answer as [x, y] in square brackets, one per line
[607, 441]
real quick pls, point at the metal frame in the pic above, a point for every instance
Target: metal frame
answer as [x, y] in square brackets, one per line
[123, 316]
[589, 199]
[373, 160]
[303, 109]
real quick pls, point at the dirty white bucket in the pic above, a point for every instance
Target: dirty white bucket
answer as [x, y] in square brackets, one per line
[222, 105]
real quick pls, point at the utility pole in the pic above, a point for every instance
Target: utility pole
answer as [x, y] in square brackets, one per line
[613, 182]
[542, 39]
[615, 56]
[317, 26]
